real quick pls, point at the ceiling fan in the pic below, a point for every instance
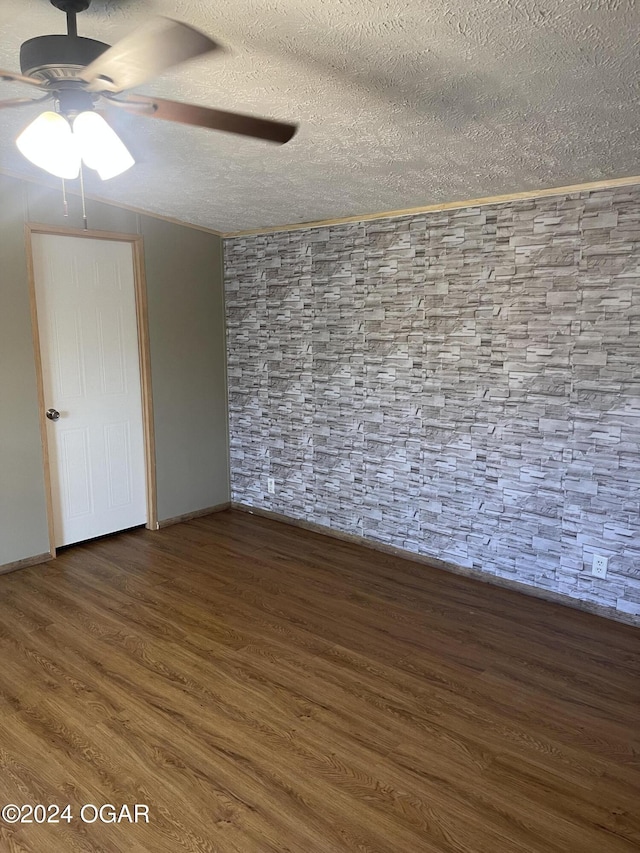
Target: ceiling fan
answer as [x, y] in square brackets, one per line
[82, 75]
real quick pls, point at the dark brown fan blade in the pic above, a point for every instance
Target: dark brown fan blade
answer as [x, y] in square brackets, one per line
[22, 102]
[258, 128]
[144, 53]
[10, 77]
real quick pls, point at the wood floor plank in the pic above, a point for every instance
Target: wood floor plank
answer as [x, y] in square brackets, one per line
[265, 689]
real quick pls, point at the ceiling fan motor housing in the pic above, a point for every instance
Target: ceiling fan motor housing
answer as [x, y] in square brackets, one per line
[73, 6]
[56, 58]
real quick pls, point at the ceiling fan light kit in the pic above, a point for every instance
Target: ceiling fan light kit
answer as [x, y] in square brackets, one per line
[80, 74]
[48, 143]
[60, 147]
[100, 146]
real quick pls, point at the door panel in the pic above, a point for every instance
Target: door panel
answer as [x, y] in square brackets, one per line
[74, 480]
[85, 297]
[111, 350]
[119, 467]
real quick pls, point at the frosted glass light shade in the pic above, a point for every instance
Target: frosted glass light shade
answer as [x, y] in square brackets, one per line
[48, 143]
[100, 147]
[52, 144]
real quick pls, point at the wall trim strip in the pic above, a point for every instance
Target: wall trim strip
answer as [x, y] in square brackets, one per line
[610, 183]
[189, 516]
[139, 210]
[26, 562]
[451, 205]
[434, 563]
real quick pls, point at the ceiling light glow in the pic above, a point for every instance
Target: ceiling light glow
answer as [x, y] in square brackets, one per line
[100, 146]
[48, 143]
[51, 143]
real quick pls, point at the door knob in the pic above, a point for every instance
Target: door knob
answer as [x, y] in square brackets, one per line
[53, 414]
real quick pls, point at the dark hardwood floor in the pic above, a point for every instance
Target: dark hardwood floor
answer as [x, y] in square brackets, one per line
[262, 688]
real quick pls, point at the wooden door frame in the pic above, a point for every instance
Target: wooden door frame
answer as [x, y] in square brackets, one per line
[144, 360]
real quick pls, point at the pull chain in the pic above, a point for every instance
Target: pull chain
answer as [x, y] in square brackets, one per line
[84, 207]
[65, 205]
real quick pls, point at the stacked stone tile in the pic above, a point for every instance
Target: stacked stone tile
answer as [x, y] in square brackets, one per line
[464, 385]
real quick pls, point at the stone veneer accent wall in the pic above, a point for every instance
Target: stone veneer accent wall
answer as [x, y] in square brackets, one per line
[464, 385]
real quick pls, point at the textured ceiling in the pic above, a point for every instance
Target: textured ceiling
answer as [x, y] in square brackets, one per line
[402, 103]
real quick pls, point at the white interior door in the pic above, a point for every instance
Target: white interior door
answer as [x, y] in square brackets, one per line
[85, 298]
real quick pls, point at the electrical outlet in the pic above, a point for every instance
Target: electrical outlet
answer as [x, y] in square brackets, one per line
[271, 485]
[600, 564]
